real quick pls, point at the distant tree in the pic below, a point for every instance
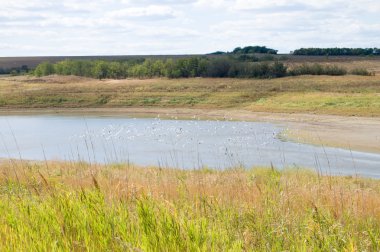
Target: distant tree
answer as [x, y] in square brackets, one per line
[138, 71]
[254, 49]
[100, 70]
[171, 69]
[158, 68]
[114, 70]
[336, 51]
[24, 68]
[44, 69]
[217, 53]
[237, 50]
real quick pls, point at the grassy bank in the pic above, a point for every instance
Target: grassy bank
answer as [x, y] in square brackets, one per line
[339, 95]
[74, 206]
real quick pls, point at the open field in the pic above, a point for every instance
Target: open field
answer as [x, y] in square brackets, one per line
[343, 95]
[76, 206]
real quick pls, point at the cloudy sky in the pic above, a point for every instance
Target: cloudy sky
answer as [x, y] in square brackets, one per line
[120, 27]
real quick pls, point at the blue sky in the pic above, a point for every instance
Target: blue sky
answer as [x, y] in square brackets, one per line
[100, 27]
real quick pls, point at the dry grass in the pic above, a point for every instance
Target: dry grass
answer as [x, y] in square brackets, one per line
[356, 94]
[371, 65]
[237, 186]
[166, 209]
[233, 185]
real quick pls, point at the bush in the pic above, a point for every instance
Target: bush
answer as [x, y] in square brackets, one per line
[317, 69]
[258, 70]
[278, 69]
[334, 70]
[247, 57]
[14, 73]
[218, 68]
[267, 58]
[44, 69]
[362, 71]
[188, 67]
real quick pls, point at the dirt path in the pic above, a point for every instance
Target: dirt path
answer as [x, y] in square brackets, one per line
[356, 133]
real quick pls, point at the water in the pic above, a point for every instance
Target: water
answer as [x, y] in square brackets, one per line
[189, 144]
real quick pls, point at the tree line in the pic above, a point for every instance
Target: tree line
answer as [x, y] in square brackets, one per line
[220, 67]
[254, 49]
[170, 68]
[15, 70]
[337, 51]
[248, 50]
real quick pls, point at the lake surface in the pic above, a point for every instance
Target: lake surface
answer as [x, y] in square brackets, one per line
[189, 144]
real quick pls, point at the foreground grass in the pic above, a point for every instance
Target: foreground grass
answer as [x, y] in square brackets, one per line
[342, 95]
[74, 206]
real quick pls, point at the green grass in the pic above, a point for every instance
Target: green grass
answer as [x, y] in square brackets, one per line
[322, 103]
[58, 206]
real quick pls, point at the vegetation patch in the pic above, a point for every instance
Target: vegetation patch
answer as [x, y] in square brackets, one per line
[151, 101]
[337, 51]
[324, 103]
[76, 206]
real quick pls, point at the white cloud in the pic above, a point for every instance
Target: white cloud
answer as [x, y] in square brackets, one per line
[258, 4]
[151, 11]
[39, 27]
[167, 32]
[213, 3]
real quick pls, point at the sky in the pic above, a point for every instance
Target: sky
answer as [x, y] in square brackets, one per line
[146, 27]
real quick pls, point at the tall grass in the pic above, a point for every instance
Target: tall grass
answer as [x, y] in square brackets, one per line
[76, 206]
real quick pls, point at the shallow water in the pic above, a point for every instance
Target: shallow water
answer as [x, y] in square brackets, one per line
[190, 144]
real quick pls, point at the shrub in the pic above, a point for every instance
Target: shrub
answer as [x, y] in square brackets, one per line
[267, 58]
[218, 68]
[317, 69]
[44, 69]
[362, 71]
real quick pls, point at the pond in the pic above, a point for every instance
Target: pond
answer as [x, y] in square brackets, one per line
[188, 144]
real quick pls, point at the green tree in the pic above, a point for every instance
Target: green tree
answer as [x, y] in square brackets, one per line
[44, 69]
[100, 70]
